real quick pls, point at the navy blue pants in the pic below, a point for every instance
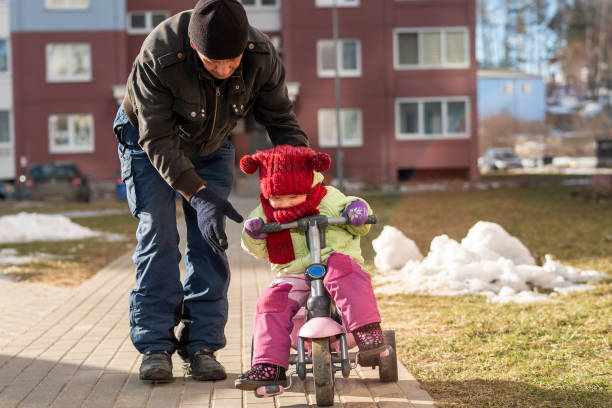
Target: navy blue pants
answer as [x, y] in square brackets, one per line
[160, 301]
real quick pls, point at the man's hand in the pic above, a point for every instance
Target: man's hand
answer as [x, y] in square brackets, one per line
[253, 224]
[357, 212]
[211, 210]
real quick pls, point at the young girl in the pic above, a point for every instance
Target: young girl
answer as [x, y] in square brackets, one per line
[290, 183]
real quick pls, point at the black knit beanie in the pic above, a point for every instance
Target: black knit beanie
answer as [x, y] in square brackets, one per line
[219, 29]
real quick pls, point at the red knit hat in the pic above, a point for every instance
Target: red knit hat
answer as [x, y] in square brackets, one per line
[285, 169]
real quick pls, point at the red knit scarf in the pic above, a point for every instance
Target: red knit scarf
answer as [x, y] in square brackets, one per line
[280, 248]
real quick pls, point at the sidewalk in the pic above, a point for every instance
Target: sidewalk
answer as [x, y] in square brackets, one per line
[71, 348]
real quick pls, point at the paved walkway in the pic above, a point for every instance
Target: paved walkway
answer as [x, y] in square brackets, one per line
[69, 347]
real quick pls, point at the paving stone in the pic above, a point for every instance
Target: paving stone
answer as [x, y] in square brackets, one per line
[134, 394]
[77, 388]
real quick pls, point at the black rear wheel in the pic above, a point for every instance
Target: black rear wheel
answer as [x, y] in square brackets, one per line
[387, 368]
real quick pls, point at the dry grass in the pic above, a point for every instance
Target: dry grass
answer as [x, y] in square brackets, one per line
[469, 353]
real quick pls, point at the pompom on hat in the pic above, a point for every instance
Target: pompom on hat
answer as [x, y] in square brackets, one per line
[285, 169]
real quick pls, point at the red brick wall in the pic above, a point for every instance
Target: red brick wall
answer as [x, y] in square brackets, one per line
[35, 99]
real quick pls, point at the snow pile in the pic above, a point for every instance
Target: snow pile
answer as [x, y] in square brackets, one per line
[492, 242]
[488, 262]
[394, 249]
[27, 227]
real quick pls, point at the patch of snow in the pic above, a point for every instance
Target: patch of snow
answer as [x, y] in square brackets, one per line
[559, 110]
[92, 213]
[10, 256]
[488, 262]
[573, 289]
[507, 295]
[28, 227]
[591, 109]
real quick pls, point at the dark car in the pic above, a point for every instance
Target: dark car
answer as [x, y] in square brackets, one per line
[8, 191]
[56, 180]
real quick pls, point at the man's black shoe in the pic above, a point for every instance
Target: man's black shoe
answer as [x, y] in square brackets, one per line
[203, 366]
[156, 367]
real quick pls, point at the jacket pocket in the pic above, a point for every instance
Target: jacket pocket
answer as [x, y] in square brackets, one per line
[188, 112]
[240, 104]
[190, 118]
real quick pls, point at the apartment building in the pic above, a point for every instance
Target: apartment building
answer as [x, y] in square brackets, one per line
[408, 84]
[67, 55]
[407, 80]
[7, 138]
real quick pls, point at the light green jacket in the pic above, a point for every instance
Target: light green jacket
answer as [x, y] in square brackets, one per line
[338, 238]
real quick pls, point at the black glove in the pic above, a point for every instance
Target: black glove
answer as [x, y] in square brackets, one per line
[211, 210]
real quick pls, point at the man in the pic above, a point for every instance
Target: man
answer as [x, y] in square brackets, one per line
[196, 75]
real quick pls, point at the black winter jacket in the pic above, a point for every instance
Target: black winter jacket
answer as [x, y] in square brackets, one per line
[182, 112]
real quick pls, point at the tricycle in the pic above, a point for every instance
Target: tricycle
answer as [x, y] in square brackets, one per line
[319, 338]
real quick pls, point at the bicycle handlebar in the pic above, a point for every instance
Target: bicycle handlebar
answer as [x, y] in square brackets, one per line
[302, 223]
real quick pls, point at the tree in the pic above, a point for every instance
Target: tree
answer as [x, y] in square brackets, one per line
[582, 47]
[525, 34]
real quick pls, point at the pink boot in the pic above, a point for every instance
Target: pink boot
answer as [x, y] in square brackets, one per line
[261, 375]
[369, 339]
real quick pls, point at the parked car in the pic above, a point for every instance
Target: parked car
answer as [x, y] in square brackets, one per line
[8, 191]
[499, 159]
[57, 180]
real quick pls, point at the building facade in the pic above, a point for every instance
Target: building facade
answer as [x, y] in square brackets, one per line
[67, 55]
[408, 84]
[407, 80]
[7, 137]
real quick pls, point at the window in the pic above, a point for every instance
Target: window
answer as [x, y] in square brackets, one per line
[432, 118]
[71, 133]
[350, 127]
[431, 48]
[348, 56]
[66, 4]
[70, 62]
[259, 3]
[143, 22]
[339, 3]
[4, 62]
[5, 135]
[409, 118]
[526, 88]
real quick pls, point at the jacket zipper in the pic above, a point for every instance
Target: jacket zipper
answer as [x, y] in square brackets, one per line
[217, 94]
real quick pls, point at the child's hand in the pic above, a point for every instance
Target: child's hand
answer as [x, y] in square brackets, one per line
[253, 224]
[357, 211]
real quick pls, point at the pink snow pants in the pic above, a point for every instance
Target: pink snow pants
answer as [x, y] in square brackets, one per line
[350, 288]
